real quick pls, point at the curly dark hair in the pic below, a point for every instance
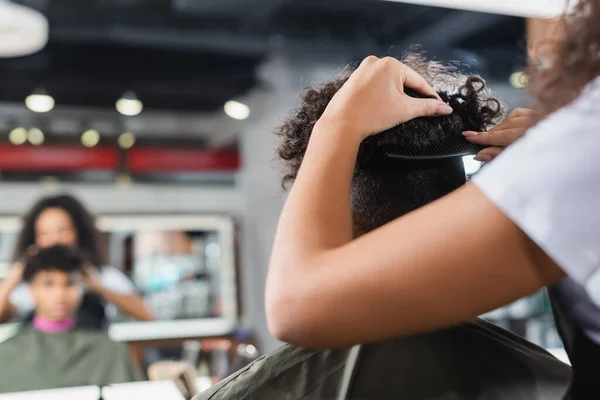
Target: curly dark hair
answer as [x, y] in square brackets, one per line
[383, 188]
[88, 236]
[59, 257]
[575, 61]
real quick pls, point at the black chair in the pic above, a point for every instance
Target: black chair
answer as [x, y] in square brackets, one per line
[583, 352]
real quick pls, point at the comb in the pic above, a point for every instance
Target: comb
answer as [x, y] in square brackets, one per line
[456, 146]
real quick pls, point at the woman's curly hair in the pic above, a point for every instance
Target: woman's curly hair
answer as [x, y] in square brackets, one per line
[88, 236]
[473, 104]
[382, 188]
[573, 60]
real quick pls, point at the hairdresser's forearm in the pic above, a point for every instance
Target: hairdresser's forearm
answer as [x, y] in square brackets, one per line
[317, 216]
[129, 304]
[6, 308]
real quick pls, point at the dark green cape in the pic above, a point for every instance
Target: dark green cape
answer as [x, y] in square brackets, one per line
[32, 360]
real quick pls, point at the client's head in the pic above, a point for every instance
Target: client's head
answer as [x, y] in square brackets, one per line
[53, 274]
[384, 188]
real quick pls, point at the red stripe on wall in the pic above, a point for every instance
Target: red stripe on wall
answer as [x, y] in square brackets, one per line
[57, 158]
[153, 160]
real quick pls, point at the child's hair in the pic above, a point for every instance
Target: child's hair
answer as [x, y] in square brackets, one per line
[384, 189]
[59, 257]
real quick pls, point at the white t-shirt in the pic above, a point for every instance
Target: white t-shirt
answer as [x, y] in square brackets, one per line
[548, 183]
[110, 277]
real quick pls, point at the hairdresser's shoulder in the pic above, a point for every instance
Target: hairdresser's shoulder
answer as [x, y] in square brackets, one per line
[587, 105]
[576, 123]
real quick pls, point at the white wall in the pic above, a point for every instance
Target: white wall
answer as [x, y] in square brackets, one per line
[106, 199]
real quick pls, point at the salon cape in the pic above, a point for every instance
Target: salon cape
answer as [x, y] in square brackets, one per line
[34, 360]
[548, 184]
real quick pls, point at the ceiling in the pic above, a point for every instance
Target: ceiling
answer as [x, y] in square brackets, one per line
[197, 54]
[185, 58]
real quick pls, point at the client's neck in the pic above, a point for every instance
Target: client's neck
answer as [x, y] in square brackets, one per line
[48, 326]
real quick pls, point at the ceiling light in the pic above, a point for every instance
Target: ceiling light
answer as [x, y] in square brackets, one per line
[18, 136]
[471, 165]
[90, 138]
[237, 110]
[49, 180]
[123, 180]
[129, 104]
[518, 79]
[520, 8]
[23, 30]
[251, 350]
[39, 101]
[35, 136]
[126, 140]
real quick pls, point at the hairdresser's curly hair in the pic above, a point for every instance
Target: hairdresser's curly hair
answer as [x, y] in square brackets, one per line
[88, 235]
[574, 60]
[384, 189]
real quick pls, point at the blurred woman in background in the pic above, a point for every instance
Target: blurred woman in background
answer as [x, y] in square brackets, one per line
[64, 220]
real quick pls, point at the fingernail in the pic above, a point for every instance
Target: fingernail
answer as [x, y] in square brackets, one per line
[443, 109]
[470, 133]
[483, 158]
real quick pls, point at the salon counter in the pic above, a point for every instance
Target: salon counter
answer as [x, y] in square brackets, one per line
[148, 390]
[164, 390]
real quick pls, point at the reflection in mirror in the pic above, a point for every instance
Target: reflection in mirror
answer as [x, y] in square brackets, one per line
[177, 272]
[182, 266]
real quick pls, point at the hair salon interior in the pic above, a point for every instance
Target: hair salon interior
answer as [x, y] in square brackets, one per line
[137, 151]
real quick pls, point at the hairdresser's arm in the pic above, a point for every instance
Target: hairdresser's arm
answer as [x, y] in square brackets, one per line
[443, 264]
[7, 310]
[130, 303]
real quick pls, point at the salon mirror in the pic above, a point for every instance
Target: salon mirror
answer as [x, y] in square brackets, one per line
[182, 265]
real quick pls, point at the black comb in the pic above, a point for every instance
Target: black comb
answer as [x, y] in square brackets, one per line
[455, 146]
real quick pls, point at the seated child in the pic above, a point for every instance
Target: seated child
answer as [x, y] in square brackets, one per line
[51, 350]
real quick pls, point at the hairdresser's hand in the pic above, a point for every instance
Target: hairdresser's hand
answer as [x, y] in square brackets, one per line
[15, 275]
[373, 98]
[91, 279]
[503, 135]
